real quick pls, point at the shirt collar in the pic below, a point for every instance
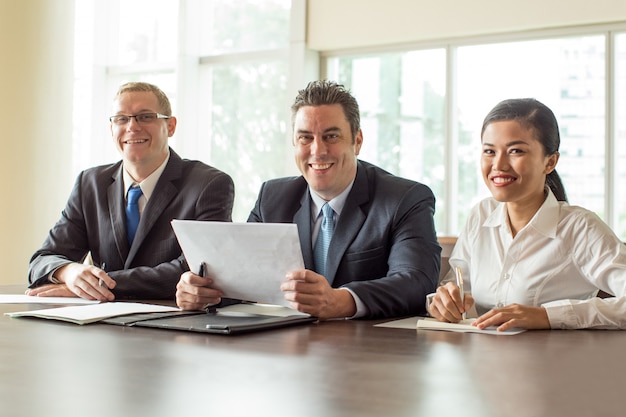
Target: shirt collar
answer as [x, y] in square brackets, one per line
[147, 185]
[544, 221]
[336, 203]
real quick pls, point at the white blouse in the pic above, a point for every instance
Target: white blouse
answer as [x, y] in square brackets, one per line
[559, 261]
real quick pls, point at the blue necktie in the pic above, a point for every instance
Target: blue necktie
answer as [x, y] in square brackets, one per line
[132, 213]
[323, 239]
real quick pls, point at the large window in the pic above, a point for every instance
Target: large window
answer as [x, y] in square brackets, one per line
[416, 128]
[619, 134]
[226, 66]
[402, 112]
[228, 86]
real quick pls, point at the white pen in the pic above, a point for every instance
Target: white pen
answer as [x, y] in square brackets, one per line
[459, 283]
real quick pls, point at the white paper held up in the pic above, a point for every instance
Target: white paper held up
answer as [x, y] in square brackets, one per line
[247, 261]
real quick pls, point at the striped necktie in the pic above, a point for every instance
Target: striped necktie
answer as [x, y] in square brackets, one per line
[323, 239]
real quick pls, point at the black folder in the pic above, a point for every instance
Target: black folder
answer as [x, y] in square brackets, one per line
[216, 323]
[224, 323]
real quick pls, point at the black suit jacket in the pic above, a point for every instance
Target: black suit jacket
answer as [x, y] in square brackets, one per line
[384, 247]
[94, 220]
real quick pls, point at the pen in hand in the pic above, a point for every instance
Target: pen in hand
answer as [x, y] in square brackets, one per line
[459, 283]
[101, 281]
[209, 309]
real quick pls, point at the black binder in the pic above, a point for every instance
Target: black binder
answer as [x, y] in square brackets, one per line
[224, 324]
[216, 323]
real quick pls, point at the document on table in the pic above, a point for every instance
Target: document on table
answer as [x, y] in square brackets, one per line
[256, 309]
[247, 261]
[428, 323]
[94, 312]
[31, 299]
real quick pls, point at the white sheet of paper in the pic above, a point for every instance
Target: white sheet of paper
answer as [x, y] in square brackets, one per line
[464, 326]
[256, 309]
[30, 299]
[429, 323]
[92, 313]
[248, 261]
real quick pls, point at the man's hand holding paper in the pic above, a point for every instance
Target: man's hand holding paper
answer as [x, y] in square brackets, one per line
[244, 261]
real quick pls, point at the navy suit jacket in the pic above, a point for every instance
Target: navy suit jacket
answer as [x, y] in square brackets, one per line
[94, 220]
[384, 247]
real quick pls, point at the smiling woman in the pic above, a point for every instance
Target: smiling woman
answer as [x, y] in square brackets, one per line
[530, 259]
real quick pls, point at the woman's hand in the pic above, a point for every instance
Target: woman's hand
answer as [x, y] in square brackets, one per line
[447, 304]
[514, 316]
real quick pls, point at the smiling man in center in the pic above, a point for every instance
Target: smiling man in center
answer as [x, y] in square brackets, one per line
[383, 256]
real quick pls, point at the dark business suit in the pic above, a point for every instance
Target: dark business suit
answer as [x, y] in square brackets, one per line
[384, 247]
[94, 220]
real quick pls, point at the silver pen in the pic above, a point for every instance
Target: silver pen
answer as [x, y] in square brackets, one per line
[101, 281]
[459, 283]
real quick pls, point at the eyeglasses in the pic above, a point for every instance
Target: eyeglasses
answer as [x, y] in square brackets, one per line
[143, 118]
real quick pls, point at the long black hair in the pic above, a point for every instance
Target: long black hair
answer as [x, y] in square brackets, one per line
[534, 115]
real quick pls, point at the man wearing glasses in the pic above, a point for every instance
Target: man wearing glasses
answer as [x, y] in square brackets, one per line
[120, 214]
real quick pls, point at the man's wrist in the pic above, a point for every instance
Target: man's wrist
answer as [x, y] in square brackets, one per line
[53, 277]
[54, 280]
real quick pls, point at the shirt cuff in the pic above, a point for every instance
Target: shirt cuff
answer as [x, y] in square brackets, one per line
[429, 301]
[361, 309]
[561, 315]
[52, 279]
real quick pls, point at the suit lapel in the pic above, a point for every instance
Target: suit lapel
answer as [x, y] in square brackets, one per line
[163, 194]
[302, 218]
[349, 224]
[115, 198]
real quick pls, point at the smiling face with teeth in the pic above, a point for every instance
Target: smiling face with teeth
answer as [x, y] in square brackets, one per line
[514, 164]
[144, 147]
[325, 148]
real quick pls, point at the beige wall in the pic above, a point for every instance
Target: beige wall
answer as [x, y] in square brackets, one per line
[344, 24]
[36, 119]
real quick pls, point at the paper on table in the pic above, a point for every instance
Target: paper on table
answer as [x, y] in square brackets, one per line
[407, 323]
[31, 299]
[248, 261]
[463, 326]
[92, 313]
[428, 323]
[255, 309]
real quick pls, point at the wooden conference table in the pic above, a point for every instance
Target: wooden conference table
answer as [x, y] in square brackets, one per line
[335, 368]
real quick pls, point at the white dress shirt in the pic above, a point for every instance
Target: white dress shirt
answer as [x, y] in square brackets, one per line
[559, 261]
[147, 185]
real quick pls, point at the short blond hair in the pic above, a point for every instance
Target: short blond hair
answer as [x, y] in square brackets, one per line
[164, 102]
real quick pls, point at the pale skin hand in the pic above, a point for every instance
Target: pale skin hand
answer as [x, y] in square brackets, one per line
[309, 292]
[78, 280]
[194, 292]
[514, 315]
[447, 304]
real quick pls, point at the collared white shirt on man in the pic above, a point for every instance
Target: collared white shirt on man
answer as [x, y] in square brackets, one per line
[147, 185]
